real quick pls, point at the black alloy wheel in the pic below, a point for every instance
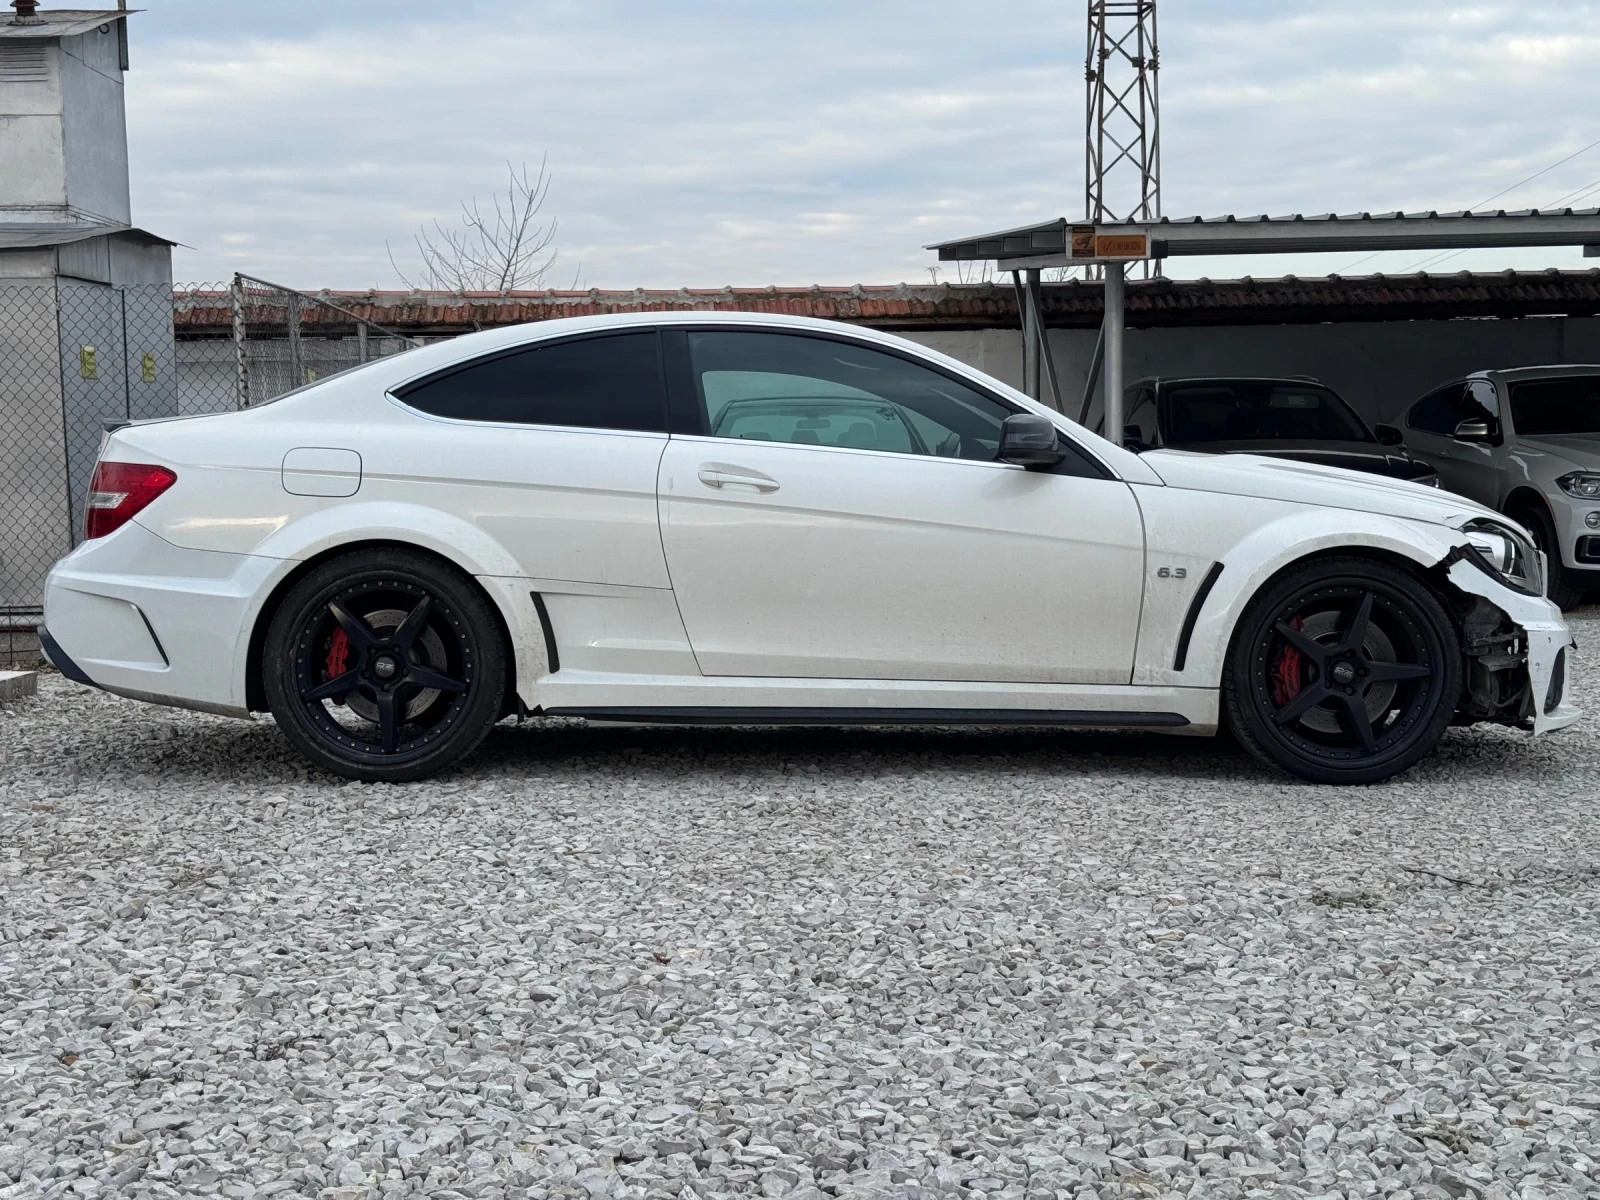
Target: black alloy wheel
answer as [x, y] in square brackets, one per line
[1343, 671]
[385, 665]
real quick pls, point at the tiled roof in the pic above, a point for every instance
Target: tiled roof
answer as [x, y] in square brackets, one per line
[1157, 302]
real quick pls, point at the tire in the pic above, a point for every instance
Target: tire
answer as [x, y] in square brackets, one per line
[1558, 586]
[1344, 670]
[420, 654]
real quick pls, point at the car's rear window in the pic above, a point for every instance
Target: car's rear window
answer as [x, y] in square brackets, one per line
[608, 382]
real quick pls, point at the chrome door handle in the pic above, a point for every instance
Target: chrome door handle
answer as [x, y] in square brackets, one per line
[720, 475]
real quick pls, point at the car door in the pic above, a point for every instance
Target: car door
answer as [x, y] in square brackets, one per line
[837, 512]
[551, 449]
[1466, 468]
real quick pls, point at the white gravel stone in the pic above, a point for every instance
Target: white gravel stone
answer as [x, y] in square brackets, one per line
[799, 964]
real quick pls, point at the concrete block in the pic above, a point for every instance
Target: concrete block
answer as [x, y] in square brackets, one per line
[15, 685]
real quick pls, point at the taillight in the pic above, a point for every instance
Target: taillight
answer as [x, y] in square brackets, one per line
[118, 490]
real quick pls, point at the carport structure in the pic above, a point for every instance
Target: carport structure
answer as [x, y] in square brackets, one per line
[1028, 251]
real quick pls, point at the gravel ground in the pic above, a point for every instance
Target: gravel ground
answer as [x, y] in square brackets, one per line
[695, 963]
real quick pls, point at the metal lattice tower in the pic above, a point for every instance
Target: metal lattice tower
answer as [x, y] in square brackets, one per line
[1122, 180]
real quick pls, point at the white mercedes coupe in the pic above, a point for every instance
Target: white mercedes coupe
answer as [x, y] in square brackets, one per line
[755, 520]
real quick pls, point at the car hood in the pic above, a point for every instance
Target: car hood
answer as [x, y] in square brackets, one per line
[1310, 483]
[1581, 450]
[1353, 456]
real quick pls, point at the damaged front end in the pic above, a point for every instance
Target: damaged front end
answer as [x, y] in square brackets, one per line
[1517, 646]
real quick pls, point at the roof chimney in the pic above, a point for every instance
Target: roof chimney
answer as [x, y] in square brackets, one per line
[27, 12]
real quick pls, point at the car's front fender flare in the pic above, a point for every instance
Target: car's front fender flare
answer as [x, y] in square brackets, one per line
[1249, 563]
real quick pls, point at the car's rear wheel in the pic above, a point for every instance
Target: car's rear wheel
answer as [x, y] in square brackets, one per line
[1344, 670]
[385, 665]
[1558, 580]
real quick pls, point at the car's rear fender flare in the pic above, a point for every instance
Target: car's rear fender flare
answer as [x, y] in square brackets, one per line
[351, 527]
[1250, 563]
[351, 522]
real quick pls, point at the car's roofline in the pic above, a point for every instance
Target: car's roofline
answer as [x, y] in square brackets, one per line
[1164, 379]
[391, 374]
[1554, 371]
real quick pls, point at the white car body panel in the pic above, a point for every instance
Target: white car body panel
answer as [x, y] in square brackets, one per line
[855, 564]
[899, 582]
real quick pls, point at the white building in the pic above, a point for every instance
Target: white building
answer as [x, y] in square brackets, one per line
[85, 298]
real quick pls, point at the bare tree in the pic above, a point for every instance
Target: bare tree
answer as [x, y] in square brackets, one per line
[496, 250]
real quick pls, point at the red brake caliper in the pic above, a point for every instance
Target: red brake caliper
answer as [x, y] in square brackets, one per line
[338, 659]
[1285, 673]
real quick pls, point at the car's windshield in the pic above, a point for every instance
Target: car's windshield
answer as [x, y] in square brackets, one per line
[1556, 406]
[1250, 410]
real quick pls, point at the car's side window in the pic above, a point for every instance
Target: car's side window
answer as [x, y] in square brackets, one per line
[608, 382]
[1556, 406]
[1440, 411]
[813, 391]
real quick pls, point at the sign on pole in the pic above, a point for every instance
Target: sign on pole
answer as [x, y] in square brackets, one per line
[1087, 244]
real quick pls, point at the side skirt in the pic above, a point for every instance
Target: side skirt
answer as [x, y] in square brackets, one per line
[878, 716]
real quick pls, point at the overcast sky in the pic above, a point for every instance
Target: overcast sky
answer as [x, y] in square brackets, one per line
[753, 142]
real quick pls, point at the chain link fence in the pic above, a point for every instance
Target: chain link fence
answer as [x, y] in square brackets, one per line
[77, 357]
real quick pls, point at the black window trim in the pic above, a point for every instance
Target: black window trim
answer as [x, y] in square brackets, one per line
[687, 419]
[398, 393]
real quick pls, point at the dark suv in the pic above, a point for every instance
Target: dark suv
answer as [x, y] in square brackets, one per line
[1298, 419]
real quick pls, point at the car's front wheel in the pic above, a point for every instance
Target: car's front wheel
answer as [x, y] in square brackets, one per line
[1563, 593]
[385, 665]
[1345, 670]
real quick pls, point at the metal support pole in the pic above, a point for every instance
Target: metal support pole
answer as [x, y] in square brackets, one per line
[292, 316]
[1092, 378]
[1035, 353]
[361, 343]
[241, 367]
[1024, 284]
[1116, 308]
[1047, 360]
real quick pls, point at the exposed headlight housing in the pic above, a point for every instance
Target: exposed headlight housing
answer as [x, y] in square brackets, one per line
[1507, 554]
[1583, 484]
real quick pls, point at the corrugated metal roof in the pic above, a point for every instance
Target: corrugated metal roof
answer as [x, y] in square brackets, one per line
[1073, 304]
[28, 236]
[61, 22]
[1296, 233]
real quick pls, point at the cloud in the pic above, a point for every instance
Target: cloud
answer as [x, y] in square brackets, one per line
[727, 141]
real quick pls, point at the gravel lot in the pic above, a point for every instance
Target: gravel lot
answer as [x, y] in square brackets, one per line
[652, 962]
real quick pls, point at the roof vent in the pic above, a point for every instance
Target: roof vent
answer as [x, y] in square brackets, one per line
[27, 12]
[24, 62]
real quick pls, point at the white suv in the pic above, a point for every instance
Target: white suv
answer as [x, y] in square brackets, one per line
[1525, 442]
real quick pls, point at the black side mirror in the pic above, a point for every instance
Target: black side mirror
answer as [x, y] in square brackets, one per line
[1133, 438]
[1478, 429]
[1027, 440]
[1388, 435]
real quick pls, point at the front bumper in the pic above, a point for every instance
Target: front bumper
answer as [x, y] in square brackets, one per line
[1549, 646]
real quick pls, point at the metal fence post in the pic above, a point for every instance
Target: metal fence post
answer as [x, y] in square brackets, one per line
[242, 369]
[291, 314]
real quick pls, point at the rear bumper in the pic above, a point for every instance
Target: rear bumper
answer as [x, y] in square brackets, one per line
[133, 614]
[57, 657]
